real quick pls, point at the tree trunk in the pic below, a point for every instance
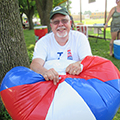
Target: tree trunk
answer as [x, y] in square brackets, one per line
[30, 14]
[30, 22]
[13, 50]
[44, 7]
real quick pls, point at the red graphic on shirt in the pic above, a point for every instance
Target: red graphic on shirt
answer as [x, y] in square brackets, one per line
[69, 55]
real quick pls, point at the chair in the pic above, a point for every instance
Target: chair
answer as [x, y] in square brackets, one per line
[83, 29]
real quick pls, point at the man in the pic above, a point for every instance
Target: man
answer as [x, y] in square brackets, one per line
[61, 44]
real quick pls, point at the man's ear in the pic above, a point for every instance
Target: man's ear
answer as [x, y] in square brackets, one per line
[70, 22]
[50, 25]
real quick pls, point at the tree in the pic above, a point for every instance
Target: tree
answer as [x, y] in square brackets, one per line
[59, 2]
[28, 7]
[44, 7]
[87, 12]
[13, 50]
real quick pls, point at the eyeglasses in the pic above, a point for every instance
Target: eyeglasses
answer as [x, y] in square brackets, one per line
[56, 22]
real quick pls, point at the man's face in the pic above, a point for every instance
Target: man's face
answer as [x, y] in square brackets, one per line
[60, 25]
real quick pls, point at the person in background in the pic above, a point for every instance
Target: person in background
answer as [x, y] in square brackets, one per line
[61, 44]
[73, 24]
[115, 23]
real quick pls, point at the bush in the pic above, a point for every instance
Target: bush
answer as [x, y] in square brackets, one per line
[30, 54]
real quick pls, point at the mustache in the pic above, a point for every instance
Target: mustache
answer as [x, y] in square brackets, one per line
[63, 27]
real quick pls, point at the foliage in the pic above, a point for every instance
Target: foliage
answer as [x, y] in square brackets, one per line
[4, 114]
[65, 3]
[57, 2]
[87, 12]
[28, 7]
[44, 7]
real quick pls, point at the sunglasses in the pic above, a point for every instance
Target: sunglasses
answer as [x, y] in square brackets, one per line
[63, 21]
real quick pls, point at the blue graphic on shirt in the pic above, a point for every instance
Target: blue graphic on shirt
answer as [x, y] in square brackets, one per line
[59, 54]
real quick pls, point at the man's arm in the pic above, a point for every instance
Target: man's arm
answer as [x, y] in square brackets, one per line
[37, 66]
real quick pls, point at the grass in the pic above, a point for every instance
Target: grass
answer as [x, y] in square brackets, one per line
[29, 39]
[101, 48]
[30, 42]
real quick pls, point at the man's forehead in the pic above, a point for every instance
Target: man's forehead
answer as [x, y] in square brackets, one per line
[59, 15]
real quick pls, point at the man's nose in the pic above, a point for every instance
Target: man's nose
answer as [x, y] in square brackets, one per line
[60, 23]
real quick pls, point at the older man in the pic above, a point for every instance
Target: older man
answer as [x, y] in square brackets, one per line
[61, 44]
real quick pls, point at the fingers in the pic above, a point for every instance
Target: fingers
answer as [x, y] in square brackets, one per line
[46, 77]
[74, 69]
[55, 77]
[77, 72]
[51, 74]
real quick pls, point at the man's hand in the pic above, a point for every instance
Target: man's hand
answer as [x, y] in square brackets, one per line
[74, 68]
[51, 74]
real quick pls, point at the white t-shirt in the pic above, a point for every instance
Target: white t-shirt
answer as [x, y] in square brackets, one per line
[75, 49]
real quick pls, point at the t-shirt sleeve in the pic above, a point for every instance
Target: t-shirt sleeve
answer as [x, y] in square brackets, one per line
[40, 50]
[84, 48]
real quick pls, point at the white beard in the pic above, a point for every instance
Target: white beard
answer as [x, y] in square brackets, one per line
[62, 35]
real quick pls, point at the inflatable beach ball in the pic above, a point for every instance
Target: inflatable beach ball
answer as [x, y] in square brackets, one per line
[92, 95]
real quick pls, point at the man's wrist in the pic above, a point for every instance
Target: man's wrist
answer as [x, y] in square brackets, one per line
[81, 65]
